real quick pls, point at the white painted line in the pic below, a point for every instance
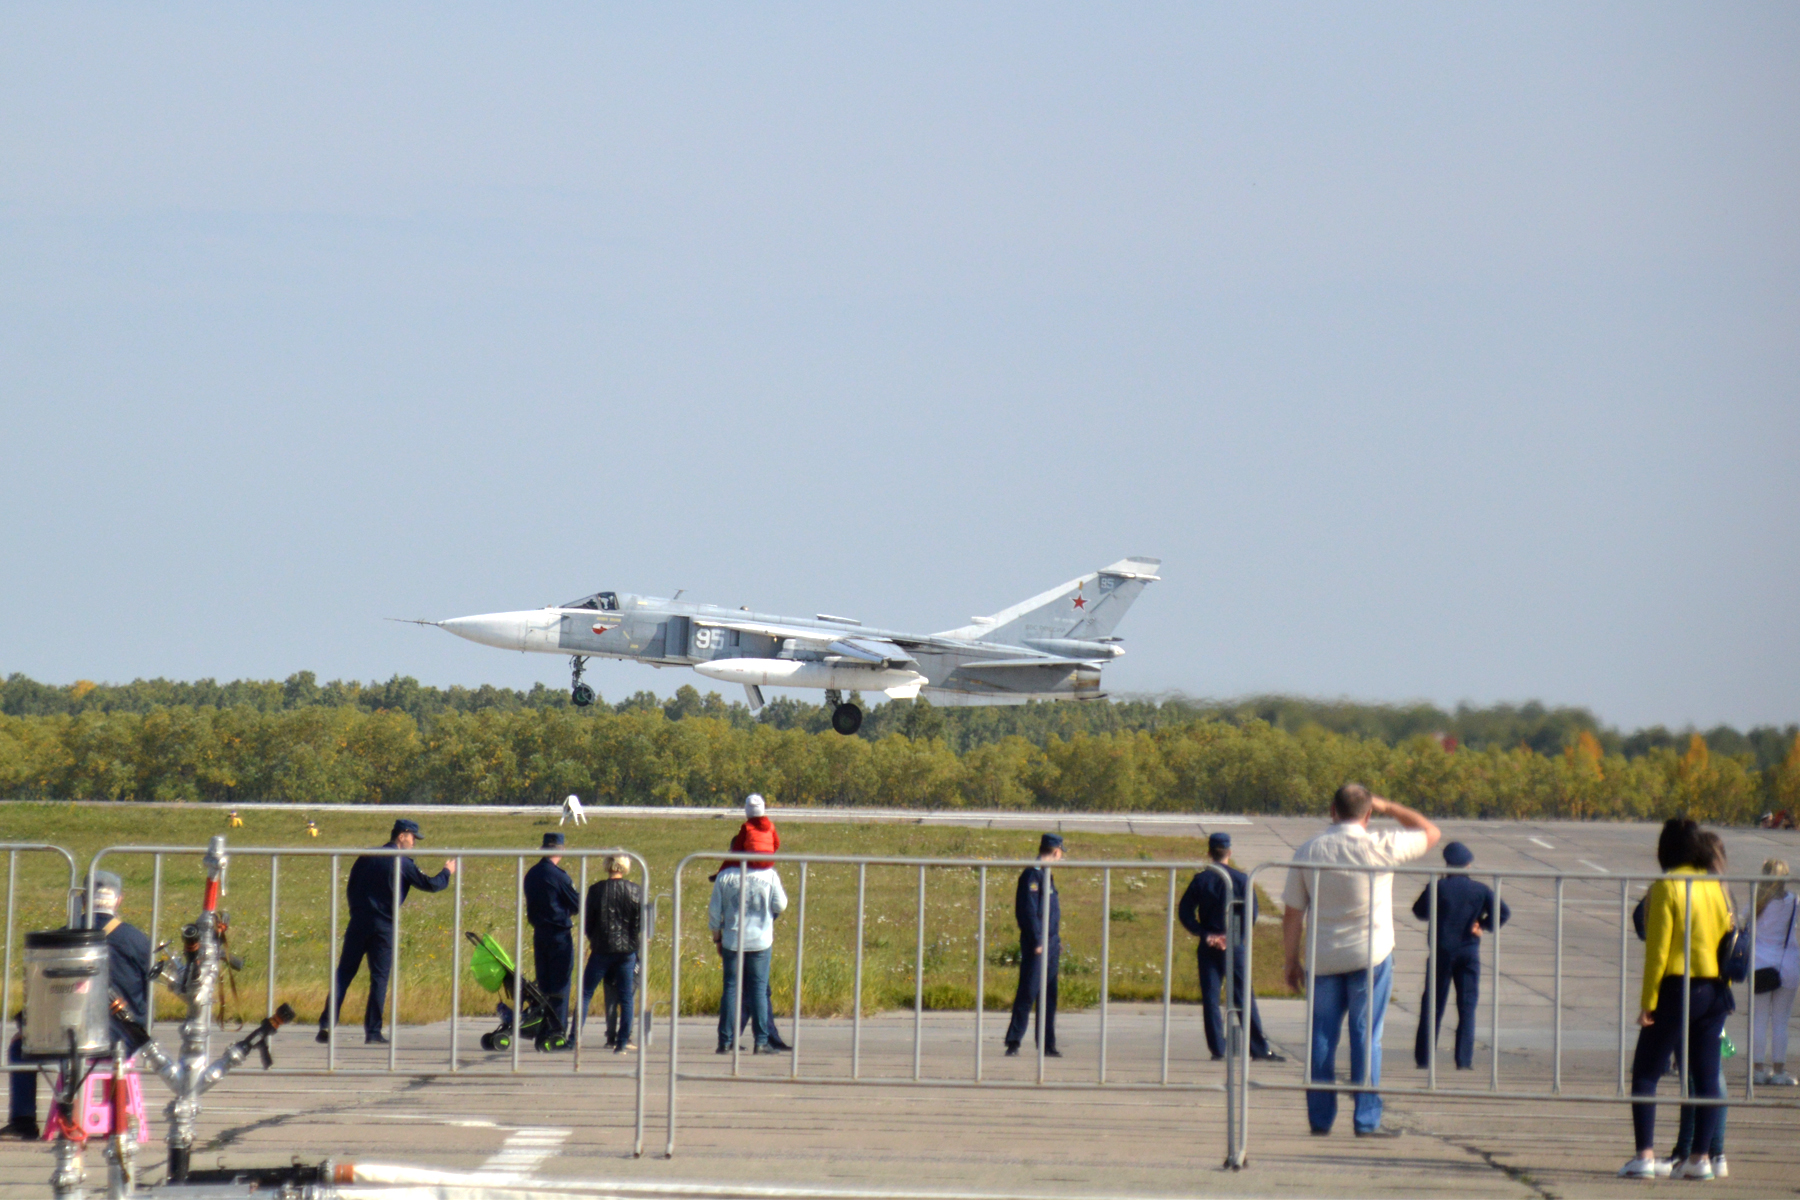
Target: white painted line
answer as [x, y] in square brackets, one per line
[522, 1151]
[1541, 842]
[1586, 863]
[958, 817]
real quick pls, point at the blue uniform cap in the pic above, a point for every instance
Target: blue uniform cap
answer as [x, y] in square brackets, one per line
[1458, 855]
[1219, 841]
[405, 826]
[551, 840]
[1049, 842]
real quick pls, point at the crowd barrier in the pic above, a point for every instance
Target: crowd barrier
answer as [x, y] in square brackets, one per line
[1238, 1082]
[1629, 976]
[975, 1077]
[455, 1063]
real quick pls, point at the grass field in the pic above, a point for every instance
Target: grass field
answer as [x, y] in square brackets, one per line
[306, 947]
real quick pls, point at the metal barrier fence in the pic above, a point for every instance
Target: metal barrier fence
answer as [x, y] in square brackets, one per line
[862, 863]
[13, 850]
[455, 1063]
[1238, 1127]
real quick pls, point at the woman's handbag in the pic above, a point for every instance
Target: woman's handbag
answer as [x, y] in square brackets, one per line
[1767, 979]
[1734, 948]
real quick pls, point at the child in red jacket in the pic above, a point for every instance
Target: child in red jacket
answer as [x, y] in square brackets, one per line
[757, 834]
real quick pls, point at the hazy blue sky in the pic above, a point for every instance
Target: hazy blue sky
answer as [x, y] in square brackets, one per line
[1445, 351]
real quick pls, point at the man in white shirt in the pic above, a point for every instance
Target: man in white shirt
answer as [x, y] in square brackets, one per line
[1354, 915]
[763, 900]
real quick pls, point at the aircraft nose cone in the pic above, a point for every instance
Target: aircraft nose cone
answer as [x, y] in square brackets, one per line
[503, 630]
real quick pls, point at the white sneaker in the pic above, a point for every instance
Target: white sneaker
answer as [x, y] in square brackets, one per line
[1665, 1167]
[1763, 1075]
[1719, 1169]
[1781, 1079]
[1696, 1168]
[1638, 1168]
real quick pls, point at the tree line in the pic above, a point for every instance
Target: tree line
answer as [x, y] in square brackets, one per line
[1546, 730]
[298, 741]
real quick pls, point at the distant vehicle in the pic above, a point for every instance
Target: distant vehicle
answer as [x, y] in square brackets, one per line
[1050, 647]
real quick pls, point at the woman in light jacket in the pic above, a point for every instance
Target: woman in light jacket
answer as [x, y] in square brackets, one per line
[1668, 974]
[1777, 945]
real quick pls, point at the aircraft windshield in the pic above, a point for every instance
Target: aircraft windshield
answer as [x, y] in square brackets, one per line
[599, 601]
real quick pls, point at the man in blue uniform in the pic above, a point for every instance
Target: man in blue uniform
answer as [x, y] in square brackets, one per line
[551, 905]
[128, 961]
[370, 933]
[1034, 883]
[1203, 912]
[1465, 910]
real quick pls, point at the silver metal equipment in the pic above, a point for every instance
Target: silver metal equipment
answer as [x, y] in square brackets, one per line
[67, 990]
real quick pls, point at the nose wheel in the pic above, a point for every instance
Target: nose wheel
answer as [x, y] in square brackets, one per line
[580, 694]
[846, 719]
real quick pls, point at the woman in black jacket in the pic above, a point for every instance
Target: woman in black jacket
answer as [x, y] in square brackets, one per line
[615, 913]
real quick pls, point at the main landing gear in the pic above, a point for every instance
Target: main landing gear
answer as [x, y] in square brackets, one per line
[845, 718]
[580, 694]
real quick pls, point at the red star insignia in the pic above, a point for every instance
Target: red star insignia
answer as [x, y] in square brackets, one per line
[1079, 602]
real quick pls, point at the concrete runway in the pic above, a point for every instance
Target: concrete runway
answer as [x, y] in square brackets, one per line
[763, 1130]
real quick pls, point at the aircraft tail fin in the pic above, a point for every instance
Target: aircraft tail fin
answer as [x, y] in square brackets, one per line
[1085, 609]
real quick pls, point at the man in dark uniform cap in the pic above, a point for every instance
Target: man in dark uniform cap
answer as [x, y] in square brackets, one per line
[551, 905]
[1465, 910]
[370, 933]
[1204, 908]
[128, 961]
[1034, 883]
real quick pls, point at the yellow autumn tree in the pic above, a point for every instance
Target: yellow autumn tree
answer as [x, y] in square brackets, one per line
[1787, 778]
[1586, 755]
[1695, 761]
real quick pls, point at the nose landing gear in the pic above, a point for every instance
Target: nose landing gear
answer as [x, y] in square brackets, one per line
[580, 694]
[845, 718]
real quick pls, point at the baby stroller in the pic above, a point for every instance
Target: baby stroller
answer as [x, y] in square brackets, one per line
[495, 972]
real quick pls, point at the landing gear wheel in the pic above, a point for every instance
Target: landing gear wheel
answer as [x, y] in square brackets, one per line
[846, 719]
[580, 694]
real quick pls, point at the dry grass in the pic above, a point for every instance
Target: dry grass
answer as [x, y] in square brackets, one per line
[306, 946]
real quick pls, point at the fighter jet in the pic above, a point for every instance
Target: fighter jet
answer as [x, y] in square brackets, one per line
[1050, 647]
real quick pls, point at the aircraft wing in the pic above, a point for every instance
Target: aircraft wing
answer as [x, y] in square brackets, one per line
[875, 651]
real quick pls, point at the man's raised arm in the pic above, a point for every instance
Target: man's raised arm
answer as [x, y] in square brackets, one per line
[1408, 819]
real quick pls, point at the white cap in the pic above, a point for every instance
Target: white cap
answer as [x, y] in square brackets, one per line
[753, 806]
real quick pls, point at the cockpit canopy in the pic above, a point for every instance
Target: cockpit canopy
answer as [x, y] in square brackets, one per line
[599, 602]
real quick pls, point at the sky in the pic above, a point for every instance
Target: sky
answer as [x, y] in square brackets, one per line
[1442, 352]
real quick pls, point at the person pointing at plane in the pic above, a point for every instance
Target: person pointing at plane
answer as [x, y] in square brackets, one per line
[370, 933]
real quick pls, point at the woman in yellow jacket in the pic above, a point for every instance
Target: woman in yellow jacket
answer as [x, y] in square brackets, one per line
[1667, 973]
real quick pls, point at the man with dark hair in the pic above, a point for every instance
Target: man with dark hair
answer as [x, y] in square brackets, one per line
[1352, 918]
[1204, 912]
[551, 905]
[370, 933]
[1465, 910]
[1034, 935]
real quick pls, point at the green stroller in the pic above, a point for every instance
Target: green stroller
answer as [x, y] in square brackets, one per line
[495, 972]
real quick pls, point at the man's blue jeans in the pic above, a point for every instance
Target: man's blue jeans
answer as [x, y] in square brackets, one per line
[1336, 997]
[756, 995]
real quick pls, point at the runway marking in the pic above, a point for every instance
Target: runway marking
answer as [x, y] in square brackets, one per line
[522, 1151]
[1587, 863]
[1541, 842]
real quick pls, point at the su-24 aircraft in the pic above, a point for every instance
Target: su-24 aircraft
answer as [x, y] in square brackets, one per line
[1050, 647]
